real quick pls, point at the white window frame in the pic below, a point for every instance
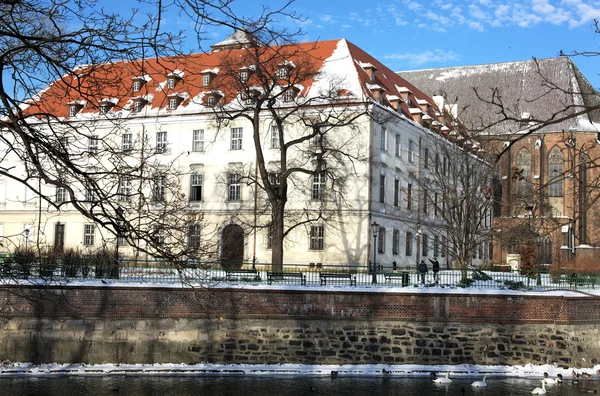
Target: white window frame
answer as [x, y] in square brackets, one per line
[317, 237]
[282, 73]
[93, 144]
[137, 85]
[382, 189]
[289, 95]
[237, 135]
[381, 240]
[317, 186]
[171, 82]
[206, 80]
[137, 106]
[275, 137]
[243, 76]
[198, 140]
[383, 140]
[196, 187]
[61, 195]
[210, 100]
[161, 141]
[159, 183]
[124, 190]
[234, 187]
[126, 142]
[173, 103]
[411, 151]
[73, 110]
[89, 234]
[398, 146]
[396, 242]
[193, 237]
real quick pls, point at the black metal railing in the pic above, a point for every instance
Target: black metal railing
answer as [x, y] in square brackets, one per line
[322, 275]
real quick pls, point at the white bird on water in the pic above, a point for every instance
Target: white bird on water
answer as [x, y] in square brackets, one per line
[479, 384]
[443, 380]
[540, 391]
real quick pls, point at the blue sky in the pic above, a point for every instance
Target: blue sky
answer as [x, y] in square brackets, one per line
[418, 34]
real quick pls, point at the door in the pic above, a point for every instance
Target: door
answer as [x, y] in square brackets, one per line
[232, 253]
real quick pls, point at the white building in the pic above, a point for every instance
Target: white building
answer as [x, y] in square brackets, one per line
[138, 125]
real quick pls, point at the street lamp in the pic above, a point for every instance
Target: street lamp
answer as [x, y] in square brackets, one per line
[529, 208]
[374, 230]
[26, 233]
[119, 211]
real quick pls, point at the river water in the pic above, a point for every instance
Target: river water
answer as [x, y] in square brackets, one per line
[278, 386]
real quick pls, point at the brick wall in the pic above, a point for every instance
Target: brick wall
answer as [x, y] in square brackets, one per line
[149, 325]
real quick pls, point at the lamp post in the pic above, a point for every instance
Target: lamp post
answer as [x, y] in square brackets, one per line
[119, 211]
[374, 230]
[26, 233]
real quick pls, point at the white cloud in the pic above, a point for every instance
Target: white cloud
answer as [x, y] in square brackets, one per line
[417, 59]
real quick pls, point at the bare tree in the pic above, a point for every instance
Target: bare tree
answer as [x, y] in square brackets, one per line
[86, 156]
[314, 131]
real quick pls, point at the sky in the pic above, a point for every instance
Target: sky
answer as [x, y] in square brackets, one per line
[420, 34]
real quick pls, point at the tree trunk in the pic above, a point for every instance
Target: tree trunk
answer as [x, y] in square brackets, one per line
[277, 232]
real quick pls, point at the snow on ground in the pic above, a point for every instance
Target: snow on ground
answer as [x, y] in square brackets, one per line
[466, 371]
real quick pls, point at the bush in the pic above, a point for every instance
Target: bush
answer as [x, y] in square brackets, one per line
[480, 275]
[105, 264]
[23, 259]
[72, 262]
[48, 264]
[514, 285]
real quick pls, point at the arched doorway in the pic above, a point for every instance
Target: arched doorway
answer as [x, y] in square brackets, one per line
[232, 253]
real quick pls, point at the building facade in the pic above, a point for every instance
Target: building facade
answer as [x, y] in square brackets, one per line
[172, 152]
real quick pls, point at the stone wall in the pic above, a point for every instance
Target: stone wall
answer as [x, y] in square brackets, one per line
[134, 325]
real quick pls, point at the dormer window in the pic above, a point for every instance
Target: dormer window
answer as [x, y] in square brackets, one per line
[289, 95]
[210, 101]
[283, 70]
[243, 76]
[171, 81]
[212, 98]
[138, 105]
[137, 85]
[105, 106]
[206, 80]
[74, 108]
[282, 73]
[174, 101]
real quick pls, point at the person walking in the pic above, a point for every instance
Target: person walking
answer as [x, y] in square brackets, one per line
[422, 268]
[435, 267]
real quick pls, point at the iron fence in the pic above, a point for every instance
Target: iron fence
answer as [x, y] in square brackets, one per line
[313, 275]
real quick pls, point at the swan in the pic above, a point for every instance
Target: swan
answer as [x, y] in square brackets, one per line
[550, 381]
[540, 391]
[443, 380]
[479, 384]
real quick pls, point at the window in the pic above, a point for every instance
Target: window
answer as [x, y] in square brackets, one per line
[195, 187]
[436, 245]
[198, 140]
[206, 80]
[234, 187]
[383, 139]
[243, 76]
[381, 188]
[158, 235]
[194, 236]
[381, 240]
[282, 73]
[126, 142]
[275, 178]
[73, 110]
[409, 243]
[444, 246]
[210, 101]
[425, 244]
[444, 166]
[124, 192]
[270, 236]
[172, 103]
[105, 108]
[409, 197]
[137, 85]
[236, 139]
[435, 204]
[274, 137]
[396, 241]
[161, 141]
[396, 192]
[555, 173]
[158, 188]
[426, 158]
[397, 146]
[137, 106]
[90, 194]
[425, 200]
[63, 145]
[171, 81]
[437, 162]
[61, 195]
[317, 237]
[288, 95]
[411, 151]
[317, 187]
[522, 173]
[88, 234]
[93, 144]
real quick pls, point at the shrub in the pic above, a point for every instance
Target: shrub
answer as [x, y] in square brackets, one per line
[480, 275]
[105, 264]
[23, 260]
[72, 262]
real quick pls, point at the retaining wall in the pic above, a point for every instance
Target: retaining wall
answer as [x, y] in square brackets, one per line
[151, 325]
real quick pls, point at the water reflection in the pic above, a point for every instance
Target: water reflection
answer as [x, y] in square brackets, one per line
[278, 386]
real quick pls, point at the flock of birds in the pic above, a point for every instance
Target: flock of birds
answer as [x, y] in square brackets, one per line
[547, 380]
